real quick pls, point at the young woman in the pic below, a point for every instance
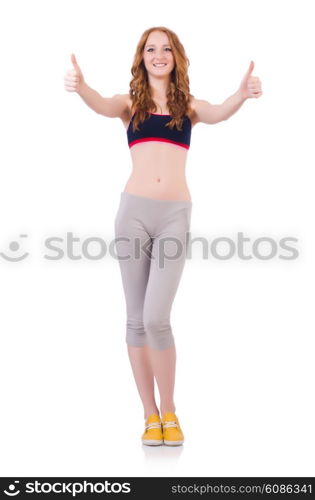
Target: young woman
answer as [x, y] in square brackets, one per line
[153, 217]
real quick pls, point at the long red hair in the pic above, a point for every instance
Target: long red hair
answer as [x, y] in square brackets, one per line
[178, 95]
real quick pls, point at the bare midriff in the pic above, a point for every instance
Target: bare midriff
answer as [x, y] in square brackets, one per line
[158, 171]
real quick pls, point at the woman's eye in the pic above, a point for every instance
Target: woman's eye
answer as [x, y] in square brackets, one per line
[165, 49]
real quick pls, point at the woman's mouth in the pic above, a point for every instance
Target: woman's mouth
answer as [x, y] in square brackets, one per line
[159, 65]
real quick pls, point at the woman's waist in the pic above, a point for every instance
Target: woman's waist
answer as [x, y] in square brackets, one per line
[159, 187]
[167, 166]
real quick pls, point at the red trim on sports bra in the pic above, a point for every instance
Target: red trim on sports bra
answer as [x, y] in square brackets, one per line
[160, 139]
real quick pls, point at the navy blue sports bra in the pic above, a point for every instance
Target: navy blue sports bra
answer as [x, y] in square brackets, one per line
[153, 129]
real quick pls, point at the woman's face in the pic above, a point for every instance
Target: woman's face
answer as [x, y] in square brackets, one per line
[158, 50]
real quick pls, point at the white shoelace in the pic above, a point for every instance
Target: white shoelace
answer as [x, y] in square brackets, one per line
[170, 424]
[153, 425]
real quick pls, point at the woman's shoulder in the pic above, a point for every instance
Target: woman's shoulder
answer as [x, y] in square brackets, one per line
[192, 113]
[126, 115]
[128, 102]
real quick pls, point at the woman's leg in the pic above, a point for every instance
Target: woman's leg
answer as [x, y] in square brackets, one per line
[143, 374]
[164, 367]
[167, 264]
[135, 272]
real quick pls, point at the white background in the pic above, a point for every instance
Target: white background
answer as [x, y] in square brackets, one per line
[244, 329]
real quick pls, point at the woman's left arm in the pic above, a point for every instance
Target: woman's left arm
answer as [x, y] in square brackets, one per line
[213, 113]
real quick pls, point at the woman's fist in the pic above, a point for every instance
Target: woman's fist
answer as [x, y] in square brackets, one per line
[250, 85]
[74, 79]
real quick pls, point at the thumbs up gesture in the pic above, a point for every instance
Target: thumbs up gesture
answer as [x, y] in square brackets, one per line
[250, 85]
[74, 79]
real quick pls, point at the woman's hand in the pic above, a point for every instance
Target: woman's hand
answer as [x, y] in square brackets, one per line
[74, 80]
[250, 85]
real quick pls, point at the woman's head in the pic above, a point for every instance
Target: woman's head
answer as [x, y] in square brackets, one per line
[158, 49]
[160, 45]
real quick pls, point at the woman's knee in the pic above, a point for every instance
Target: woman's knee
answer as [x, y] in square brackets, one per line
[159, 332]
[135, 332]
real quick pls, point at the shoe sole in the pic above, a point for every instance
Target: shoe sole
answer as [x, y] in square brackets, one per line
[173, 443]
[152, 442]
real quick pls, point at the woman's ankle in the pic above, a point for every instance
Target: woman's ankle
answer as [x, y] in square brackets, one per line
[166, 409]
[149, 412]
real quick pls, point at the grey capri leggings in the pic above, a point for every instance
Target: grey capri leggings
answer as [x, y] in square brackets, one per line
[151, 238]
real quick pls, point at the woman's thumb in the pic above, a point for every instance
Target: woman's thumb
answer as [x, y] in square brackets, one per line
[74, 61]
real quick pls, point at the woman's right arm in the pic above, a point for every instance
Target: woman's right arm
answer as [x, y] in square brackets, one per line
[111, 107]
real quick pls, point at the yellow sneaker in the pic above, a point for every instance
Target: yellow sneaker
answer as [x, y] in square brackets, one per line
[152, 435]
[172, 433]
